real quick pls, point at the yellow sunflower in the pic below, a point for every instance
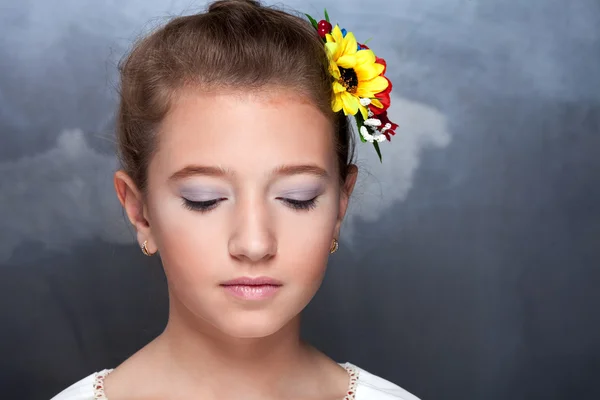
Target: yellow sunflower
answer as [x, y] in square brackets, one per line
[356, 72]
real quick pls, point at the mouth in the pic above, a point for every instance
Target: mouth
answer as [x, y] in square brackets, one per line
[252, 288]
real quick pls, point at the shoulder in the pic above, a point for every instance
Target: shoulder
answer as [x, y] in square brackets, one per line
[373, 387]
[83, 389]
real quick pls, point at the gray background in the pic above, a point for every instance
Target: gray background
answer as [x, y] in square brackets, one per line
[469, 265]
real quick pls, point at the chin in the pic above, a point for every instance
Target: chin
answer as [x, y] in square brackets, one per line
[248, 324]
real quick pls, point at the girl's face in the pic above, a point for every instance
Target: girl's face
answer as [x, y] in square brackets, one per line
[243, 186]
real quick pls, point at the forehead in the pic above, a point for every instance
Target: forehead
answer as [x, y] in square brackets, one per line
[241, 132]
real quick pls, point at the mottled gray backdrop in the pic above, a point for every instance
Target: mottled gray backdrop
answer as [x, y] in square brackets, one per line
[469, 265]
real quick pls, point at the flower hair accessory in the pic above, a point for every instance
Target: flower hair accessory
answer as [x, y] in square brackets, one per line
[360, 88]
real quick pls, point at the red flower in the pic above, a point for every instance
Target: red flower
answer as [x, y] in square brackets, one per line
[383, 97]
[391, 130]
[382, 62]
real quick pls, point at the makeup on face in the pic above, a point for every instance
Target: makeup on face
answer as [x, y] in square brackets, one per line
[249, 288]
[302, 192]
[199, 192]
[296, 196]
[202, 198]
[295, 191]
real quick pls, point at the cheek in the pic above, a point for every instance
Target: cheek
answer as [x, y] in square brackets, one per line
[304, 241]
[188, 244]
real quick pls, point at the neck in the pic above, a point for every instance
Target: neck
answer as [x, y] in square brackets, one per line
[196, 351]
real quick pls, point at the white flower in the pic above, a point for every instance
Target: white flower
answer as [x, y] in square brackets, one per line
[364, 132]
[386, 127]
[378, 137]
[372, 122]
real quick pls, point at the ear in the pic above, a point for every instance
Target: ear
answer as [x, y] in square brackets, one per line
[133, 202]
[345, 194]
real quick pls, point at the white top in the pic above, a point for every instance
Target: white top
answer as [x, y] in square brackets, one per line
[363, 386]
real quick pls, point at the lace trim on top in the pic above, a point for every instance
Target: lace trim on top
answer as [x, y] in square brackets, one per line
[353, 373]
[99, 384]
[350, 395]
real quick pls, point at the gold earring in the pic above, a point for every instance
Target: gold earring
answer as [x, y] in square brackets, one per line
[334, 246]
[145, 249]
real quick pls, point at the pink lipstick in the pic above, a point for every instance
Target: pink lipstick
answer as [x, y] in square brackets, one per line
[248, 288]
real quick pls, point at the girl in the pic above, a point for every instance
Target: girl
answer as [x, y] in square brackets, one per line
[238, 171]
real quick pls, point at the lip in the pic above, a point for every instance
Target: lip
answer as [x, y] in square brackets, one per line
[250, 281]
[248, 288]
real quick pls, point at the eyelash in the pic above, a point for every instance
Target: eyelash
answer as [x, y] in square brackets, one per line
[201, 206]
[205, 206]
[301, 205]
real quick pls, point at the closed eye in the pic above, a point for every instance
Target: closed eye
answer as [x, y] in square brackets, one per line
[303, 205]
[207, 205]
[202, 206]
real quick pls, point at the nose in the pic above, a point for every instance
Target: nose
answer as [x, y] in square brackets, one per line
[253, 239]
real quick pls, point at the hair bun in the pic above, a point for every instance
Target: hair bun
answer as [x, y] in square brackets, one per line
[223, 5]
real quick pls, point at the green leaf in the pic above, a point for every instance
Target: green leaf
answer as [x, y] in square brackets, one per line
[360, 122]
[368, 40]
[359, 118]
[327, 16]
[312, 21]
[376, 145]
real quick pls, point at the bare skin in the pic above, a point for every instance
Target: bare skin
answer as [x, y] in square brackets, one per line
[251, 153]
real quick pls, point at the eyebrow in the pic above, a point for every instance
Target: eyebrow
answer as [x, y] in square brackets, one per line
[192, 170]
[311, 169]
[282, 170]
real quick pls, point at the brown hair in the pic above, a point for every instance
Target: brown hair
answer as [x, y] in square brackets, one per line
[236, 44]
